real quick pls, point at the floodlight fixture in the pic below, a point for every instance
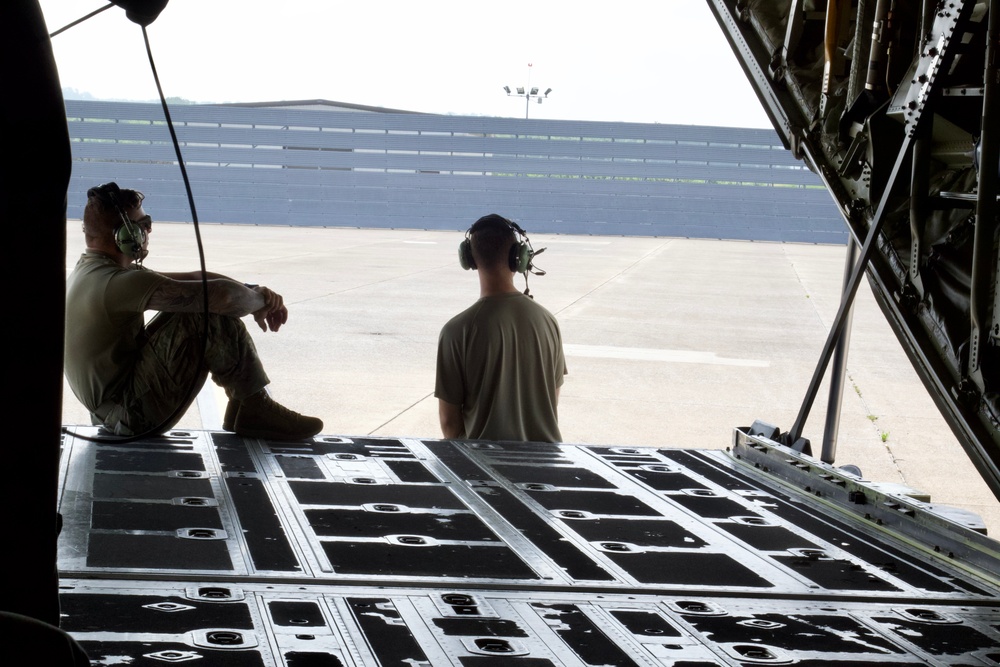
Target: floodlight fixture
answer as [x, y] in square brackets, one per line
[527, 92]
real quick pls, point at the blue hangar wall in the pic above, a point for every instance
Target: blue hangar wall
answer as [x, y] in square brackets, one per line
[338, 168]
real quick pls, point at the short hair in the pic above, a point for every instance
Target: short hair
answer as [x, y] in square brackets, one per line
[492, 237]
[104, 209]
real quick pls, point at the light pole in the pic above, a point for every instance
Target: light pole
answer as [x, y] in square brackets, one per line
[527, 93]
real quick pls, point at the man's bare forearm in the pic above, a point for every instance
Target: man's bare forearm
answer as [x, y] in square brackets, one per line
[194, 275]
[452, 422]
[225, 297]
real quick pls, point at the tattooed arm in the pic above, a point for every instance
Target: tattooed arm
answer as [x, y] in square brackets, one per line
[225, 297]
[193, 275]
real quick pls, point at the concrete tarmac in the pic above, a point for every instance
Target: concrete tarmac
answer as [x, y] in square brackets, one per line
[670, 342]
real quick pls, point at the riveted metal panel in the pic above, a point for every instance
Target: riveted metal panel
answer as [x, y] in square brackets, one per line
[370, 551]
[226, 623]
[336, 509]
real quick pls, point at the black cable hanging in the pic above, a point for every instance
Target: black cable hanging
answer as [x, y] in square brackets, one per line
[81, 20]
[193, 389]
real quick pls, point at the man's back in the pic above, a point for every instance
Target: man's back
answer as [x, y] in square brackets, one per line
[104, 319]
[502, 361]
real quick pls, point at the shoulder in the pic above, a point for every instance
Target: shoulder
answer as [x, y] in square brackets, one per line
[528, 305]
[95, 262]
[132, 288]
[93, 271]
[514, 306]
[460, 321]
[141, 275]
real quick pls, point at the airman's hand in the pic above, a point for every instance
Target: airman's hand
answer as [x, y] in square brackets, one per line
[274, 313]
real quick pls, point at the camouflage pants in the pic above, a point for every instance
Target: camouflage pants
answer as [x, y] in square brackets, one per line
[170, 370]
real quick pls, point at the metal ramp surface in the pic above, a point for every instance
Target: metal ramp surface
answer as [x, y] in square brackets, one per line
[208, 548]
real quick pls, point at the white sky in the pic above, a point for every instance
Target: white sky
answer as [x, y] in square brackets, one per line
[653, 61]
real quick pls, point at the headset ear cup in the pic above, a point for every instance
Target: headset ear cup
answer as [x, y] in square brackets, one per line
[129, 239]
[465, 255]
[520, 257]
[122, 240]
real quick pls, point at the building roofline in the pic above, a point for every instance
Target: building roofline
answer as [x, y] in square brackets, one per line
[321, 103]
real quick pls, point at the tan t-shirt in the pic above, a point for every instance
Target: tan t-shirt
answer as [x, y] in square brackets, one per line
[104, 323]
[502, 360]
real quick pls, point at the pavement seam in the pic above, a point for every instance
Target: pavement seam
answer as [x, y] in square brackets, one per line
[857, 390]
[400, 413]
[635, 263]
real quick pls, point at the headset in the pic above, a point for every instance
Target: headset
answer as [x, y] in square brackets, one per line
[129, 236]
[521, 252]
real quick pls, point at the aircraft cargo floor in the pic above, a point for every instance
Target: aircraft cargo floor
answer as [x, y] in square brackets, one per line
[219, 550]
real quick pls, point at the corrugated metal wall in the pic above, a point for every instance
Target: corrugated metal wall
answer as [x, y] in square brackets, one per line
[348, 169]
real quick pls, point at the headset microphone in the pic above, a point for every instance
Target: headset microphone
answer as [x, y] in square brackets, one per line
[531, 266]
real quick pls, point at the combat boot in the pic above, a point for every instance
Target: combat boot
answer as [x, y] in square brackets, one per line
[259, 416]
